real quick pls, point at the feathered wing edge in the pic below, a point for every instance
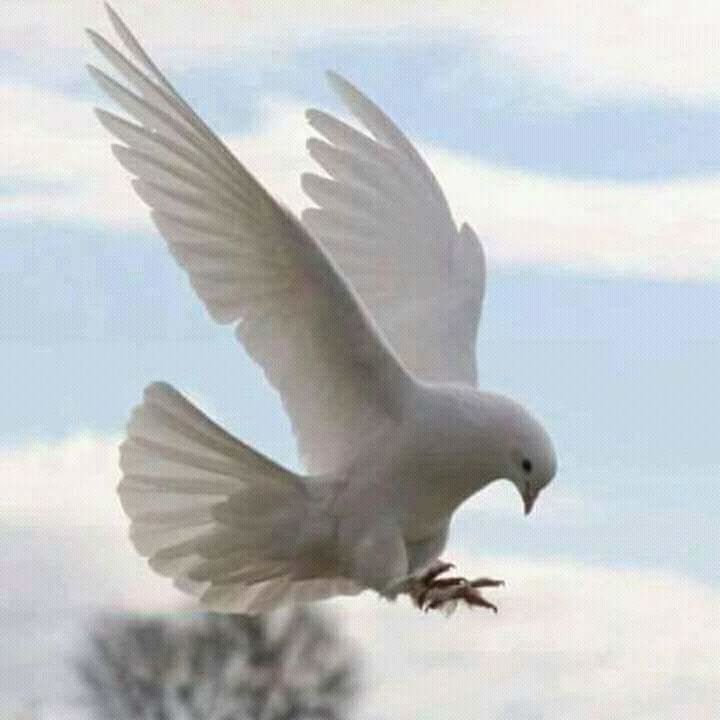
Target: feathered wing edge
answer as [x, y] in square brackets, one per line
[253, 264]
[383, 217]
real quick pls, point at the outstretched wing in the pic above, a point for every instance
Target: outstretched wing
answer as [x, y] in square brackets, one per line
[384, 219]
[252, 263]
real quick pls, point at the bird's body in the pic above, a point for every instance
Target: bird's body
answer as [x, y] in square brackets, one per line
[364, 317]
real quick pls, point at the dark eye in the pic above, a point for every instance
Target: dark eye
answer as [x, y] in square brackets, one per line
[527, 465]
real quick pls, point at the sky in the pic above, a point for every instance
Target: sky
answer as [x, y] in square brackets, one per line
[580, 142]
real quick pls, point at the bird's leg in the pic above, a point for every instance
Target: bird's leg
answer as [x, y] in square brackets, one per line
[431, 592]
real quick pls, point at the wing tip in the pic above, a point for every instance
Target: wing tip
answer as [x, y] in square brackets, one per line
[311, 114]
[122, 154]
[162, 388]
[351, 96]
[336, 81]
[104, 116]
[313, 185]
[314, 144]
[115, 19]
[107, 83]
[96, 38]
[315, 114]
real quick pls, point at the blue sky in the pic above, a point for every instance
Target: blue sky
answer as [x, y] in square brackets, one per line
[614, 344]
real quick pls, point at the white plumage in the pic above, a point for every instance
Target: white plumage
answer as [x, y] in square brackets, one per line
[211, 512]
[382, 203]
[363, 317]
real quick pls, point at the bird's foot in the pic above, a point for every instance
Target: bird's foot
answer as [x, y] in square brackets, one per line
[432, 592]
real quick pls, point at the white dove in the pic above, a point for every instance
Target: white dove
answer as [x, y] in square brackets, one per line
[363, 317]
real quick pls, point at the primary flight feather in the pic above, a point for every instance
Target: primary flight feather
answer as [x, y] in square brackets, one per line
[364, 318]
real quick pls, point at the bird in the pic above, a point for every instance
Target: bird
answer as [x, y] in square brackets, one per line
[363, 314]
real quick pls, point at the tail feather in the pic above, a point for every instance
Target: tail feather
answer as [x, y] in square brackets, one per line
[212, 513]
[265, 596]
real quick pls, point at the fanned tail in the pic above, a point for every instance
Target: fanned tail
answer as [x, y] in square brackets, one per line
[218, 517]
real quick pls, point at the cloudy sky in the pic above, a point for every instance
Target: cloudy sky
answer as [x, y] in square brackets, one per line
[580, 140]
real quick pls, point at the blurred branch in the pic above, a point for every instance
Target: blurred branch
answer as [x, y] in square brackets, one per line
[287, 666]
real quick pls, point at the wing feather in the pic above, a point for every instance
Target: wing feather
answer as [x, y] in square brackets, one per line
[384, 219]
[253, 264]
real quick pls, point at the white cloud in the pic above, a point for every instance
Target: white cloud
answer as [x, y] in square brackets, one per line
[59, 156]
[620, 47]
[571, 640]
[68, 483]
[664, 230]
[653, 229]
[66, 538]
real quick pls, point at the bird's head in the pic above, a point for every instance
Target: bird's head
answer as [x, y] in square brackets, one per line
[530, 457]
[524, 449]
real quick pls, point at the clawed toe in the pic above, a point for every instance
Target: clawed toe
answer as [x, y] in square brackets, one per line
[473, 598]
[486, 582]
[465, 593]
[431, 592]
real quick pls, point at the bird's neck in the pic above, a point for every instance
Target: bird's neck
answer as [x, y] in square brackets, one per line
[444, 461]
[460, 452]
